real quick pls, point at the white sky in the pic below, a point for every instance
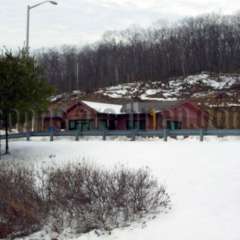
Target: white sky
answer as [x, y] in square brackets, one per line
[82, 21]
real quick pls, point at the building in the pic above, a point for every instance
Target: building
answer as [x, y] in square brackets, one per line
[87, 115]
[155, 115]
[145, 115]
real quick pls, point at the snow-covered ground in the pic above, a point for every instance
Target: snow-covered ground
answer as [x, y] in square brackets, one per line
[202, 178]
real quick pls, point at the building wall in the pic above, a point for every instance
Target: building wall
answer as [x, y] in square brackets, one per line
[190, 116]
[80, 112]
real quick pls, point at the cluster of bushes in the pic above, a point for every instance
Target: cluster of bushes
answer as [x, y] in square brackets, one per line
[80, 197]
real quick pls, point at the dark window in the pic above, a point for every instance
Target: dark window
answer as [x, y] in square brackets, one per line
[83, 125]
[102, 125]
[112, 125]
[142, 124]
[72, 125]
[136, 124]
[174, 125]
[63, 125]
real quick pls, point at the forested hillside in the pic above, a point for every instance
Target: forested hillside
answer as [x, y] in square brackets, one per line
[208, 43]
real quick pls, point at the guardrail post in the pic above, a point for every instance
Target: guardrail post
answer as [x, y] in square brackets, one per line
[201, 135]
[77, 135]
[28, 135]
[104, 136]
[165, 135]
[51, 135]
[133, 136]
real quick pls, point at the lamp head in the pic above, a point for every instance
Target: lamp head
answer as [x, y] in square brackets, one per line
[53, 2]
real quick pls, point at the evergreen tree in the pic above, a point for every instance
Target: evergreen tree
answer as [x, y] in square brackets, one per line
[22, 87]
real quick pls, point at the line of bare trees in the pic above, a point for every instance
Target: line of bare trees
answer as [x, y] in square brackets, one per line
[205, 43]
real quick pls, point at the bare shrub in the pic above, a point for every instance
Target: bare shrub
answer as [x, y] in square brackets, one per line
[21, 208]
[97, 199]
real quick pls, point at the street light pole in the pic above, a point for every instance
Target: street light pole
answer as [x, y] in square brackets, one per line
[28, 27]
[28, 19]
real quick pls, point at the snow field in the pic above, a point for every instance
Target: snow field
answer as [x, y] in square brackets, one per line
[202, 178]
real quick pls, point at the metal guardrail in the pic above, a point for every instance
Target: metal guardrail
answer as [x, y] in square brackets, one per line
[132, 134]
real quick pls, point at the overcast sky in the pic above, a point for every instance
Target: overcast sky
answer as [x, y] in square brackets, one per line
[82, 21]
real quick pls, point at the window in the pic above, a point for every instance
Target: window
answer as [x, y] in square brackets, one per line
[72, 125]
[136, 124]
[82, 125]
[174, 125]
[102, 124]
[112, 125]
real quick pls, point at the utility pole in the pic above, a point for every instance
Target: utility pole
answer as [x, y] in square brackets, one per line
[77, 73]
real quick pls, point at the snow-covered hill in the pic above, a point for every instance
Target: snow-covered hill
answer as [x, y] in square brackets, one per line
[179, 88]
[203, 87]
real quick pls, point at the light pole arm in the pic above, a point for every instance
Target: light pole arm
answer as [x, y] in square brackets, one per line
[28, 19]
[38, 4]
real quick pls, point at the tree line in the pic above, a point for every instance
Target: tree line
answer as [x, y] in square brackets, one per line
[204, 43]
